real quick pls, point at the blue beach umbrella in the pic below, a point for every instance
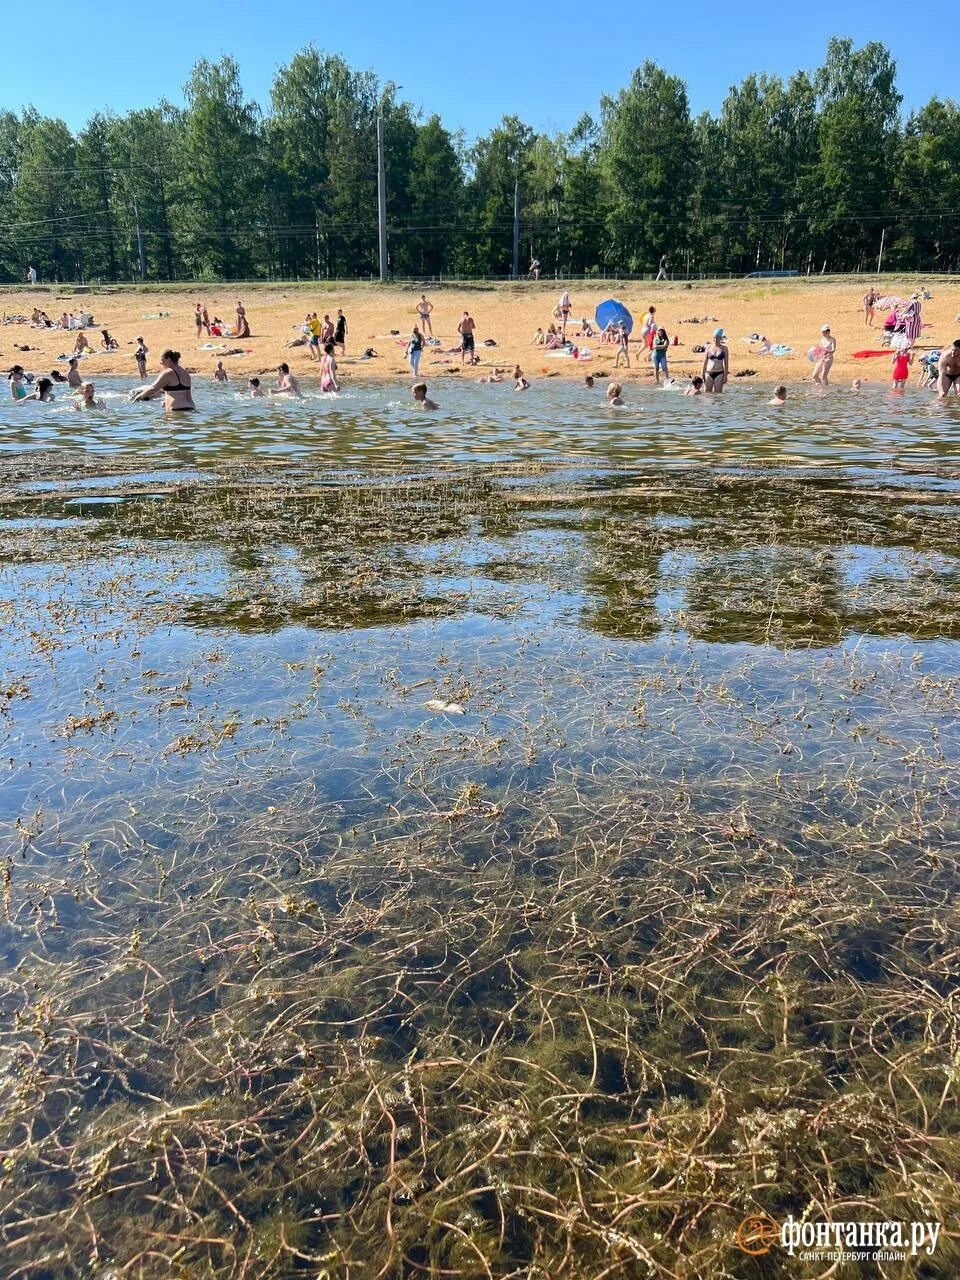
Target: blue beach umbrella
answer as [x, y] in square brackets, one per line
[613, 312]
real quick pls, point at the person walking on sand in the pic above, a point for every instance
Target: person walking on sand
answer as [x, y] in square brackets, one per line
[465, 329]
[424, 309]
[869, 306]
[340, 332]
[623, 346]
[172, 382]
[198, 320]
[662, 273]
[948, 367]
[326, 331]
[415, 350]
[826, 351]
[716, 364]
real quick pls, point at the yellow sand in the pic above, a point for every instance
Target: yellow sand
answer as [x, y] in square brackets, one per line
[789, 312]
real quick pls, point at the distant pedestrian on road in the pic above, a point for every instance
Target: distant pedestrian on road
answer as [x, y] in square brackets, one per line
[664, 264]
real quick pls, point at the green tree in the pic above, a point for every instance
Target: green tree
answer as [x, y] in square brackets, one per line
[149, 189]
[435, 201]
[929, 189]
[222, 171]
[48, 221]
[648, 156]
[499, 162]
[94, 182]
[850, 191]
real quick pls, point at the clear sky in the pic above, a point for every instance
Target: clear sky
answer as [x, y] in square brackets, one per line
[470, 62]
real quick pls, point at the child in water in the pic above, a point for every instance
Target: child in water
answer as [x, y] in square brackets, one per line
[779, 396]
[220, 372]
[255, 388]
[520, 380]
[695, 388]
[613, 393]
[902, 361]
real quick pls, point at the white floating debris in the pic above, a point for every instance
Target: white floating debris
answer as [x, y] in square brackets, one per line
[451, 708]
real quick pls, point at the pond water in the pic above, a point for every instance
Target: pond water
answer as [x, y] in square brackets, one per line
[515, 840]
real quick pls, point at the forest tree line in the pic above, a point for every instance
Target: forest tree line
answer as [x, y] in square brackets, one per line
[807, 173]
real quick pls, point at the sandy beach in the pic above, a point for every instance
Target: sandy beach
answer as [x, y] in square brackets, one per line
[790, 313]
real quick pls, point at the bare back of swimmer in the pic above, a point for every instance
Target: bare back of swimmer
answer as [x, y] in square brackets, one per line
[173, 383]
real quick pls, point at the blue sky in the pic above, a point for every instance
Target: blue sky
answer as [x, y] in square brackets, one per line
[471, 62]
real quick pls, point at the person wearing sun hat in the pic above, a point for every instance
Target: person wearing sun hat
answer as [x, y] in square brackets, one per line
[826, 350]
[716, 363]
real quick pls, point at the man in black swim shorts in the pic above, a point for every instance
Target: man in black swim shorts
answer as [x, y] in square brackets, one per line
[465, 329]
[949, 369]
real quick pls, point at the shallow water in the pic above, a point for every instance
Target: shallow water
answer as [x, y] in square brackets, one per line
[685, 803]
[372, 426]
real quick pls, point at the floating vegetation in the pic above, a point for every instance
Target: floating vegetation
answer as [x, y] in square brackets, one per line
[496, 872]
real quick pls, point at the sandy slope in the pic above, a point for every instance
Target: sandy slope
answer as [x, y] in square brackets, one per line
[788, 312]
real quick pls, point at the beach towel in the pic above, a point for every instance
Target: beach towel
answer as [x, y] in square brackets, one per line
[867, 354]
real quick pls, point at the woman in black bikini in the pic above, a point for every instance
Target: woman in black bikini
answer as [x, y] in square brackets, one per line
[173, 383]
[716, 363]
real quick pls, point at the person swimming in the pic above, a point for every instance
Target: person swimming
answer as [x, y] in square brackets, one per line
[88, 398]
[172, 382]
[420, 397]
[779, 396]
[256, 391]
[43, 391]
[613, 394]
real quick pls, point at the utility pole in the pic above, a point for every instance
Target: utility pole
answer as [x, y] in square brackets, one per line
[382, 198]
[883, 235]
[516, 229]
[140, 253]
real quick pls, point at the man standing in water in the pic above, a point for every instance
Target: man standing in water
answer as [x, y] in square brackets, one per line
[287, 384]
[949, 369]
[465, 329]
